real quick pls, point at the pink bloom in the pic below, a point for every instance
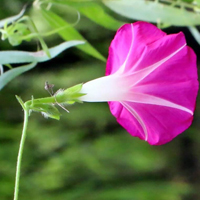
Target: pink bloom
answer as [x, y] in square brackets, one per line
[151, 82]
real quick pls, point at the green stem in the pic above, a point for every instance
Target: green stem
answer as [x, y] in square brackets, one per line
[41, 100]
[34, 30]
[19, 158]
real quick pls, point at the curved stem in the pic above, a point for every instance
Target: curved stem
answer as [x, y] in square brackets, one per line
[19, 158]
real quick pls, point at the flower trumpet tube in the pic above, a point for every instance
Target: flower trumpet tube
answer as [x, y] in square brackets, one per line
[151, 82]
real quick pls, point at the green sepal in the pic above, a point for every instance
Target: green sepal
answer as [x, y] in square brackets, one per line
[21, 102]
[70, 95]
[70, 102]
[48, 110]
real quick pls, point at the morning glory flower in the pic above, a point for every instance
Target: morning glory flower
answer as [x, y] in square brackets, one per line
[150, 84]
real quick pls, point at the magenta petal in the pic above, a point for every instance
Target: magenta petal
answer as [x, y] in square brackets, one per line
[162, 75]
[175, 80]
[161, 124]
[132, 37]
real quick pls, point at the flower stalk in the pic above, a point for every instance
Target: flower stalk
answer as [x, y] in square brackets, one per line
[21, 148]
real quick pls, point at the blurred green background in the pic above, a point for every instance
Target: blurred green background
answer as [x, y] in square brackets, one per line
[87, 155]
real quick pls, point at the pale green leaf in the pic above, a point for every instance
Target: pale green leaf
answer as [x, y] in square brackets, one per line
[1, 69]
[11, 74]
[153, 11]
[193, 30]
[40, 56]
[13, 18]
[69, 33]
[26, 57]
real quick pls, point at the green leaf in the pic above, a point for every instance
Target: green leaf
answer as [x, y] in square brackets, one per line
[11, 74]
[69, 33]
[39, 56]
[13, 18]
[14, 33]
[154, 11]
[94, 12]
